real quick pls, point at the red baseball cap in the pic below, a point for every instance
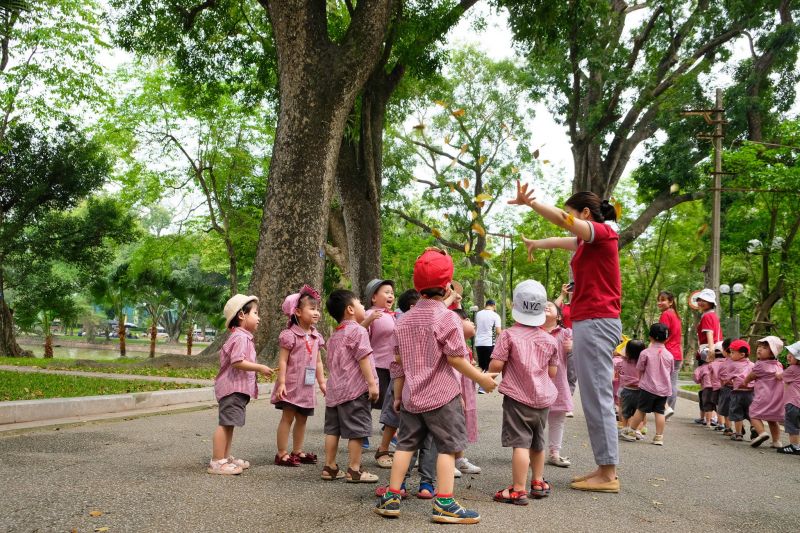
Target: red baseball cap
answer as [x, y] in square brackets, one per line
[740, 345]
[433, 269]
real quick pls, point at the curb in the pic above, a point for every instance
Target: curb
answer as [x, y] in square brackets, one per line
[688, 395]
[22, 411]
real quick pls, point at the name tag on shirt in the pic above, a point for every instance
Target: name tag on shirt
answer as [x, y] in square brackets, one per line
[311, 375]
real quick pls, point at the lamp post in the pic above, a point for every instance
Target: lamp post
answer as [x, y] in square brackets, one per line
[737, 289]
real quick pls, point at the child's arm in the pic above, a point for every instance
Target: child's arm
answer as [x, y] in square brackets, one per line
[366, 371]
[495, 365]
[399, 383]
[372, 318]
[710, 341]
[253, 367]
[321, 381]
[462, 365]
[750, 377]
[552, 371]
[280, 383]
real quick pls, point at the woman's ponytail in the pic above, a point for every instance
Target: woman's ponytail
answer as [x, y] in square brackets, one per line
[608, 211]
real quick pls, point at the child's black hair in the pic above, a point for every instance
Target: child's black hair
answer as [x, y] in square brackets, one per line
[461, 314]
[633, 349]
[559, 314]
[432, 292]
[671, 297]
[337, 303]
[745, 350]
[407, 300]
[726, 345]
[236, 321]
[304, 297]
[659, 332]
[769, 349]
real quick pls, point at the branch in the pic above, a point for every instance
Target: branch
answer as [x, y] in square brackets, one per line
[661, 203]
[450, 244]
[441, 153]
[189, 15]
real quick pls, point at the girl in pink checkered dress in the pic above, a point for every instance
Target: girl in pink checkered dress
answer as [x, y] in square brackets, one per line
[299, 368]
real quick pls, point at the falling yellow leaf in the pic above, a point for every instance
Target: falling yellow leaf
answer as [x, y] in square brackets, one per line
[536, 154]
[482, 160]
[480, 204]
[452, 163]
[485, 254]
[467, 248]
[503, 125]
[569, 219]
[440, 102]
[545, 161]
[452, 188]
[95, 513]
[436, 233]
[458, 113]
[478, 229]
[483, 197]
[446, 215]
[447, 139]
[618, 209]
[474, 215]
[419, 126]
[514, 170]
[101, 529]
[464, 148]
[701, 231]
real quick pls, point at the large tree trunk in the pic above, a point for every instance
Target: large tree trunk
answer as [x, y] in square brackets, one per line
[153, 335]
[318, 83]
[8, 341]
[121, 333]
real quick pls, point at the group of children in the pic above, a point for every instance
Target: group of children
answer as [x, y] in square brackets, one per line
[734, 389]
[416, 367]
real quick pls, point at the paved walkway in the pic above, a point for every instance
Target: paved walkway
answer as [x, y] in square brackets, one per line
[107, 375]
[148, 474]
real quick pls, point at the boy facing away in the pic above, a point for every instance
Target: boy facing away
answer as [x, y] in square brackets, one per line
[429, 343]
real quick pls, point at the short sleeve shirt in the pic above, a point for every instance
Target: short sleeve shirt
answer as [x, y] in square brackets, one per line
[381, 337]
[527, 352]
[702, 376]
[238, 347]
[628, 374]
[739, 371]
[791, 385]
[303, 353]
[428, 334]
[348, 345]
[595, 267]
[670, 319]
[486, 322]
[708, 322]
[655, 370]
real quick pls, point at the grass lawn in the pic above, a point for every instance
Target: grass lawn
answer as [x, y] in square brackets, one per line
[691, 388]
[27, 386]
[121, 365]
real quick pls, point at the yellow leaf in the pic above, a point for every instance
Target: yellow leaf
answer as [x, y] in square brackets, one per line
[452, 188]
[545, 161]
[478, 229]
[465, 183]
[458, 113]
[480, 204]
[485, 254]
[447, 139]
[514, 170]
[101, 529]
[466, 248]
[474, 215]
[482, 160]
[464, 148]
[95, 513]
[702, 230]
[440, 102]
[452, 163]
[446, 215]
[569, 219]
[483, 197]
[419, 126]
[436, 233]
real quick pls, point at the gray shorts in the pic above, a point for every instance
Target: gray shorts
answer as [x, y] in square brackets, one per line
[629, 400]
[792, 419]
[350, 420]
[389, 417]
[232, 409]
[724, 401]
[523, 425]
[446, 424]
[740, 405]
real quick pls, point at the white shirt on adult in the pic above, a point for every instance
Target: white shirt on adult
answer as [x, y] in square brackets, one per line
[486, 322]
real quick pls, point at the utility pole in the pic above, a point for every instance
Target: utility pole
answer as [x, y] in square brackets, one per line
[717, 120]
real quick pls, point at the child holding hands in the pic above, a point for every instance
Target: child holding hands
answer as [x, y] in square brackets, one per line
[527, 356]
[351, 388]
[236, 381]
[742, 393]
[767, 403]
[299, 367]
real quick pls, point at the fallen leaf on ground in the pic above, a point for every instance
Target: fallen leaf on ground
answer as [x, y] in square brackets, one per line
[101, 529]
[95, 513]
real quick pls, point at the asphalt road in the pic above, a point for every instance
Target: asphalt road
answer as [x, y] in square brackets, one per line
[148, 474]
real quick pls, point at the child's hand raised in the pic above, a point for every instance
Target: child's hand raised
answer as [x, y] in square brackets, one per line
[524, 197]
[487, 381]
[531, 245]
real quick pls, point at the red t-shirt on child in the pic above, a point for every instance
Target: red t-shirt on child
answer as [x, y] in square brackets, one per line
[595, 268]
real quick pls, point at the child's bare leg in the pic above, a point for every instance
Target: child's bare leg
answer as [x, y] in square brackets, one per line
[221, 442]
[643, 423]
[757, 424]
[331, 449]
[445, 466]
[354, 448]
[386, 438]
[299, 433]
[739, 425]
[635, 421]
[775, 431]
[520, 463]
[282, 435]
[399, 468]
[794, 439]
[661, 421]
[537, 465]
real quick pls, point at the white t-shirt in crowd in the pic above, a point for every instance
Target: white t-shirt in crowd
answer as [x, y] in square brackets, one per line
[486, 321]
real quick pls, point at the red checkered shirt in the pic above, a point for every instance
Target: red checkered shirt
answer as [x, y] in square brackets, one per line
[527, 352]
[238, 347]
[347, 346]
[426, 336]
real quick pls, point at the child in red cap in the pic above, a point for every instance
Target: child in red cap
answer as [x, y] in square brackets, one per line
[742, 394]
[429, 344]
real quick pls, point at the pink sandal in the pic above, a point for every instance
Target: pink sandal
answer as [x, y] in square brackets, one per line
[241, 463]
[223, 467]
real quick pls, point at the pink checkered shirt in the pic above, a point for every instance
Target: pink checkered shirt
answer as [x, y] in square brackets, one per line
[628, 374]
[527, 352]
[791, 385]
[381, 337]
[347, 346]
[655, 369]
[424, 339]
[739, 371]
[725, 371]
[299, 344]
[702, 376]
[714, 371]
[238, 347]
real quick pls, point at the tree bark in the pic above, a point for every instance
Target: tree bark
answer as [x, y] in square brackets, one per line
[153, 335]
[189, 339]
[121, 333]
[318, 82]
[48, 345]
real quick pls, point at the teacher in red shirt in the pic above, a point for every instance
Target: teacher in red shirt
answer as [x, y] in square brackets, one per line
[595, 307]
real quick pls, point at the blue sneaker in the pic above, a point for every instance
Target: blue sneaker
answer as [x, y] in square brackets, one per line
[388, 505]
[453, 513]
[365, 444]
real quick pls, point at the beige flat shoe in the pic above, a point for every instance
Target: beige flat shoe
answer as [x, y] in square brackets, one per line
[609, 486]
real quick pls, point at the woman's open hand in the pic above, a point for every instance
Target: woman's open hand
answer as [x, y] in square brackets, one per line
[531, 245]
[524, 196]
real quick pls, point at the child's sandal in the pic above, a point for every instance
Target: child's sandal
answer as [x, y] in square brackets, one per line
[244, 465]
[737, 437]
[360, 476]
[384, 458]
[539, 489]
[514, 497]
[286, 460]
[223, 467]
[424, 488]
[306, 458]
[331, 474]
